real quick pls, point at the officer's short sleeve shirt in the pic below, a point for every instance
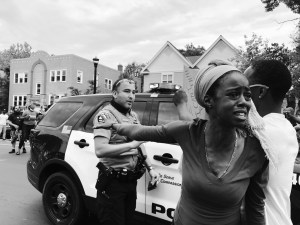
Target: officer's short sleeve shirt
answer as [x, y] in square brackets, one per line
[98, 120]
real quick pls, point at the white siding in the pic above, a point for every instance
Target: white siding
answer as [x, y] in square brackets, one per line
[220, 51]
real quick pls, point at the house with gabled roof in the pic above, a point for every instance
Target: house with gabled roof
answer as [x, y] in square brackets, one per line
[170, 66]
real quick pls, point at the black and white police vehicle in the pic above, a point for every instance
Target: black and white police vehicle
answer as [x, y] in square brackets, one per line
[62, 164]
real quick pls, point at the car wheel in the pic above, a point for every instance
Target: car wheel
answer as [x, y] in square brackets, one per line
[62, 201]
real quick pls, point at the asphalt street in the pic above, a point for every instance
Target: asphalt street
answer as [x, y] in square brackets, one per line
[20, 202]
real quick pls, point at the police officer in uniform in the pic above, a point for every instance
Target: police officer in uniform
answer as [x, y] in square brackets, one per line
[119, 166]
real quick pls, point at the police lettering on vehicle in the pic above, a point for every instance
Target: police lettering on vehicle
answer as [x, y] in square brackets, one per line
[296, 179]
[157, 208]
[166, 179]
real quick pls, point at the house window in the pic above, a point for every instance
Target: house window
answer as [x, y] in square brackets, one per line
[167, 77]
[21, 78]
[55, 98]
[20, 100]
[108, 83]
[52, 76]
[63, 76]
[79, 76]
[58, 75]
[38, 89]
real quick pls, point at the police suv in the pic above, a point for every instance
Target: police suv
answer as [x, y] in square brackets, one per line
[62, 164]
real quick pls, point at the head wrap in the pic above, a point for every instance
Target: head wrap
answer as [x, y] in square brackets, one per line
[208, 76]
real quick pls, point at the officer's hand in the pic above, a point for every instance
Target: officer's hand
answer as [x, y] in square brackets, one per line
[16, 126]
[154, 176]
[135, 144]
[104, 121]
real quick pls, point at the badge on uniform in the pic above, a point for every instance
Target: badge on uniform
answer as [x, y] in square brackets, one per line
[101, 118]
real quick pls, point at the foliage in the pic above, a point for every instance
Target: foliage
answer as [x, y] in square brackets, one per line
[270, 5]
[15, 51]
[257, 48]
[132, 70]
[191, 50]
[295, 68]
[74, 91]
[90, 90]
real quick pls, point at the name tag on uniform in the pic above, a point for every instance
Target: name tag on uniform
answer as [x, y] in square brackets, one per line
[125, 120]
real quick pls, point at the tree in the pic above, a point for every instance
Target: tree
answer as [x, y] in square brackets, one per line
[74, 91]
[253, 49]
[15, 51]
[133, 71]
[257, 48]
[270, 5]
[191, 50]
[295, 67]
[90, 90]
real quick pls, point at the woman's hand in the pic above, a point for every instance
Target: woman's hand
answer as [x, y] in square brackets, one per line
[104, 121]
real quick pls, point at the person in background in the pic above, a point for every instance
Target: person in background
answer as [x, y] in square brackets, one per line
[15, 122]
[269, 82]
[116, 189]
[29, 122]
[223, 163]
[3, 121]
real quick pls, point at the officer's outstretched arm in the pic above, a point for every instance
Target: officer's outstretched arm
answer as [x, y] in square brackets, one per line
[104, 149]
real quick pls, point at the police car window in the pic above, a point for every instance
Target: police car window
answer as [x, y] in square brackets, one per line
[139, 108]
[89, 124]
[59, 113]
[167, 112]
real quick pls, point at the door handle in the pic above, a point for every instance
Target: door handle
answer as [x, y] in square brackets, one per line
[82, 143]
[165, 159]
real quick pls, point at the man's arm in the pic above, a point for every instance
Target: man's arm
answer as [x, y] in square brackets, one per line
[104, 149]
[12, 124]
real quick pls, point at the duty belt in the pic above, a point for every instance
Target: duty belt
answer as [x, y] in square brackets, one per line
[121, 175]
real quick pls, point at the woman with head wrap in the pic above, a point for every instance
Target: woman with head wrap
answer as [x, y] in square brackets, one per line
[223, 163]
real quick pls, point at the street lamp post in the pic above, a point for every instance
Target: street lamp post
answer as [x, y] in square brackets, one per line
[96, 61]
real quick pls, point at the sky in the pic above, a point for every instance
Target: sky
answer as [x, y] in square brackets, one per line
[126, 31]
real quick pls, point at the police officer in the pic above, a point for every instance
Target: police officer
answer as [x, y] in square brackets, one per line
[119, 159]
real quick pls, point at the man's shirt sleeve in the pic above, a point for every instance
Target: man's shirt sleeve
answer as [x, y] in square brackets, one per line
[98, 120]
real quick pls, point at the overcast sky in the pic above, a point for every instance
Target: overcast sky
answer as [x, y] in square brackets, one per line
[123, 31]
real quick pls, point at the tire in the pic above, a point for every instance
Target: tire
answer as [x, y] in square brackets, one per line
[62, 200]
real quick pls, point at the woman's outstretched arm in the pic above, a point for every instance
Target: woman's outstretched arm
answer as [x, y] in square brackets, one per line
[145, 133]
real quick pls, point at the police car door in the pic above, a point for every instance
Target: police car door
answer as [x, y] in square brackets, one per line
[165, 158]
[80, 152]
